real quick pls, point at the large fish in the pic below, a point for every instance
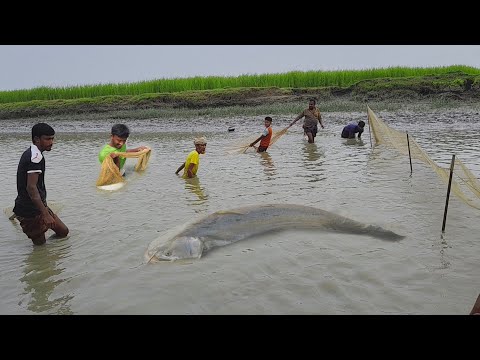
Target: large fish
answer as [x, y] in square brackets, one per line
[226, 227]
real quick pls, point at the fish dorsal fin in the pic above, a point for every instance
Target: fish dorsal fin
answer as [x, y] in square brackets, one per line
[230, 212]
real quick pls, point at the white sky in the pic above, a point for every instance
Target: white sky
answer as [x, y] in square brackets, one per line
[29, 66]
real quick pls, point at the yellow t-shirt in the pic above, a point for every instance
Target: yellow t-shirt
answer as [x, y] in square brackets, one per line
[192, 158]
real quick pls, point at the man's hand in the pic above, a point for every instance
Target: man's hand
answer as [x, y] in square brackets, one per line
[48, 219]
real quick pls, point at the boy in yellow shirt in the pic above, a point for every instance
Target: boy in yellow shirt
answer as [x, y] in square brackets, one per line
[190, 165]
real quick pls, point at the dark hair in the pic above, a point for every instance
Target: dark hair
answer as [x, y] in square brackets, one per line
[42, 129]
[121, 130]
[361, 123]
[268, 118]
[312, 99]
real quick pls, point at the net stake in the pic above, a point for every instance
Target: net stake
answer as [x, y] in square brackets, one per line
[448, 193]
[409, 155]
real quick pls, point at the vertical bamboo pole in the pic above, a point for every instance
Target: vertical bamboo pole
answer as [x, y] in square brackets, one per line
[368, 119]
[409, 155]
[448, 193]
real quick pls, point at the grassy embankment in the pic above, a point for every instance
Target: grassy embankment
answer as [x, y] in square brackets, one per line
[343, 90]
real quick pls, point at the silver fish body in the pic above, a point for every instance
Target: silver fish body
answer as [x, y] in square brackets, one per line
[229, 226]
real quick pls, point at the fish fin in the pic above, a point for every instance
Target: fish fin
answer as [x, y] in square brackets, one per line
[230, 212]
[218, 243]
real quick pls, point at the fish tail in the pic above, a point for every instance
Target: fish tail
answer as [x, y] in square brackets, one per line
[383, 233]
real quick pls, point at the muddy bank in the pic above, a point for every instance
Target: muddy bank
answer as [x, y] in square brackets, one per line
[454, 88]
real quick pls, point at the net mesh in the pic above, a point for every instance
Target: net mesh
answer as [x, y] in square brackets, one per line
[465, 185]
[110, 173]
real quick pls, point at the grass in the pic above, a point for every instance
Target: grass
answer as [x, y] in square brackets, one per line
[452, 88]
[294, 79]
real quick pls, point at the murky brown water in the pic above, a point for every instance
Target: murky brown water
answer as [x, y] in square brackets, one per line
[99, 268]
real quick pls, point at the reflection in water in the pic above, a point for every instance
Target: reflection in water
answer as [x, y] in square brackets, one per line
[314, 158]
[358, 142]
[269, 166]
[311, 151]
[193, 185]
[40, 272]
[445, 264]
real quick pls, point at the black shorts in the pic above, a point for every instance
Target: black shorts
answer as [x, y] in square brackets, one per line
[262, 148]
[311, 129]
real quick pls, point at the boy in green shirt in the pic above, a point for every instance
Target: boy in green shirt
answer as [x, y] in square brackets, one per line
[118, 143]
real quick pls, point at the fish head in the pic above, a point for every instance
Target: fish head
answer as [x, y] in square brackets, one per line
[184, 247]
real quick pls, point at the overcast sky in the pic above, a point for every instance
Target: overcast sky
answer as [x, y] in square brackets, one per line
[29, 66]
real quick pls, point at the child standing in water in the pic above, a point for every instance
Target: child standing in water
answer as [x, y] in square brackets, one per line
[118, 143]
[265, 137]
[192, 162]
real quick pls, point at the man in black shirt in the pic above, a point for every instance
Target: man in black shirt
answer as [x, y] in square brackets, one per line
[31, 203]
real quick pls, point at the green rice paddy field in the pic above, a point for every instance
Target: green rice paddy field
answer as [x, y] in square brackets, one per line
[344, 90]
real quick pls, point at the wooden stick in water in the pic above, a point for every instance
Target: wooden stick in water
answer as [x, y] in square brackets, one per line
[448, 193]
[369, 133]
[409, 155]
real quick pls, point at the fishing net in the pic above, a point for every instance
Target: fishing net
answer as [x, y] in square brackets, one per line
[277, 135]
[465, 184]
[110, 173]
